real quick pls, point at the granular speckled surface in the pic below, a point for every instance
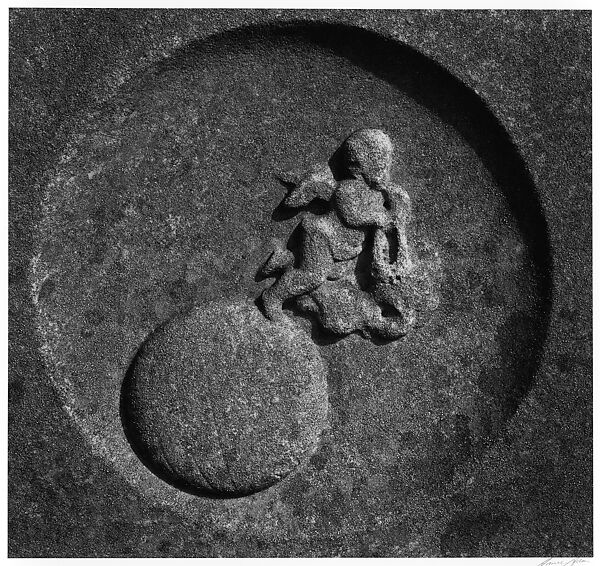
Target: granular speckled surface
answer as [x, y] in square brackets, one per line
[143, 151]
[224, 403]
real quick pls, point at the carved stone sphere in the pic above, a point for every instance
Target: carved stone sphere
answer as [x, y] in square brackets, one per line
[223, 402]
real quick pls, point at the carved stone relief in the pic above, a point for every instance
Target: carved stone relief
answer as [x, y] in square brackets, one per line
[226, 403]
[229, 352]
[365, 217]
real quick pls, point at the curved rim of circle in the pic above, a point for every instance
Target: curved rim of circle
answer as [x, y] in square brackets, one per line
[522, 203]
[454, 102]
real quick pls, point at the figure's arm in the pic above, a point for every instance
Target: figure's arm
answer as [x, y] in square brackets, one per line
[303, 194]
[304, 187]
[397, 198]
[399, 207]
[361, 207]
[399, 204]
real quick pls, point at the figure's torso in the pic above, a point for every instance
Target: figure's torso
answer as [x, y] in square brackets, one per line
[344, 243]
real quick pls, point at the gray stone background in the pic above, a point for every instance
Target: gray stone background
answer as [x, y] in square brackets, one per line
[530, 494]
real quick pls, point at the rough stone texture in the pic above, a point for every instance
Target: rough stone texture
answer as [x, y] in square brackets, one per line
[353, 261]
[474, 438]
[224, 402]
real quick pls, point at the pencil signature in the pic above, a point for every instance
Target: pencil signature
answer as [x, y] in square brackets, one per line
[563, 561]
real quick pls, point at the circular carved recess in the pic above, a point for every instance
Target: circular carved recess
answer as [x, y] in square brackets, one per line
[223, 402]
[164, 199]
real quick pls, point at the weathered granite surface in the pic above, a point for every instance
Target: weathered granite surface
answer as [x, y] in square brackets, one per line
[143, 151]
[222, 403]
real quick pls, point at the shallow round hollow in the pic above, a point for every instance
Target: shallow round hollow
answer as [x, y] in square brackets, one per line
[223, 402]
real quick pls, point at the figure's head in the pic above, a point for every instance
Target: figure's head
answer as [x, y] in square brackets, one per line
[368, 153]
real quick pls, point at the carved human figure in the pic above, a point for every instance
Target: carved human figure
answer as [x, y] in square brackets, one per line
[364, 206]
